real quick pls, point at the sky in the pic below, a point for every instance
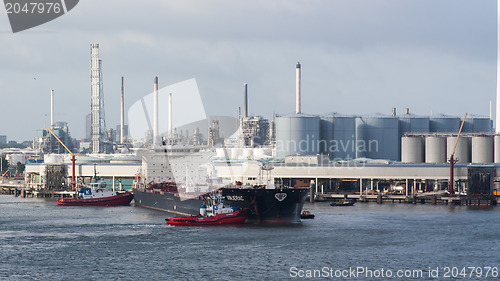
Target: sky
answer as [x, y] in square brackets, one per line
[358, 57]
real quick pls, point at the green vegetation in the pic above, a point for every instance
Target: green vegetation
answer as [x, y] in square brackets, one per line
[20, 167]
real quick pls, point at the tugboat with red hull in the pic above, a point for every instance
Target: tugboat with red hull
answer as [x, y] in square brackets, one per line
[213, 213]
[119, 199]
[97, 195]
[235, 217]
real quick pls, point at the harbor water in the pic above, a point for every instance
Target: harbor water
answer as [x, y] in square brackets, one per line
[42, 241]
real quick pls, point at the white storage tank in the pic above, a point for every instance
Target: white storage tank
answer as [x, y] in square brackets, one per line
[267, 151]
[435, 149]
[54, 159]
[229, 153]
[248, 153]
[482, 149]
[258, 153]
[235, 153]
[412, 149]
[262, 153]
[462, 152]
[497, 149]
[222, 153]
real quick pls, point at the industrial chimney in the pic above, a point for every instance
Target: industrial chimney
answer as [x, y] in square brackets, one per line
[155, 112]
[245, 101]
[170, 133]
[297, 88]
[52, 109]
[122, 117]
[497, 125]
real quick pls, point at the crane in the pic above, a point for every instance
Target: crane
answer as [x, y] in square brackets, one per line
[73, 183]
[4, 174]
[452, 161]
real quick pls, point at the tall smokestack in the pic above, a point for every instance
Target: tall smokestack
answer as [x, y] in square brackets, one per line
[122, 119]
[245, 102]
[155, 112]
[490, 112]
[497, 123]
[170, 134]
[297, 88]
[52, 109]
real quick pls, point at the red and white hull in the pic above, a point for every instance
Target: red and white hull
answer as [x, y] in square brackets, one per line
[121, 199]
[236, 217]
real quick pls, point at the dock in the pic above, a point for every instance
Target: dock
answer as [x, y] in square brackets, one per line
[433, 198]
[22, 191]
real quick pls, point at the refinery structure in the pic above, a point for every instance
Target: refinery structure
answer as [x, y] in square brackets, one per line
[97, 117]
[337, 153]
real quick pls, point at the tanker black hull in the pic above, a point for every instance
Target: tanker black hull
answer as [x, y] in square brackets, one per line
[168, 202]
[266, 205]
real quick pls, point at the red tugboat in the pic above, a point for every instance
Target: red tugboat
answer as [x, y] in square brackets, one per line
[233, 217]
[215, 214]
[97, 195]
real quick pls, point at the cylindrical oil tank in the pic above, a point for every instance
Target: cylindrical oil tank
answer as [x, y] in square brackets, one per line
[482, 149]
[414, 124]
[462, 152]
[262, 152]
[297, 134]
[235, 153]
[445, 124]
[361, 128]
[220, 152]
[435, 149]
[248, 153]
[258, 152]
[478, 125]
[267, 151]
[412, 149]
[326, 135]
[344, 137]
[482, 124]
[223, 152]
[54, 159]
[497, 149]
[377, 137]
[229, 153]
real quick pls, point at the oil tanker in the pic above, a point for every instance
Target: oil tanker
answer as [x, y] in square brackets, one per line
[168, 182]
[277, 205]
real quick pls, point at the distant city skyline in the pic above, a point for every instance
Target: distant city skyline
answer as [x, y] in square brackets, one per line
[358, 57]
